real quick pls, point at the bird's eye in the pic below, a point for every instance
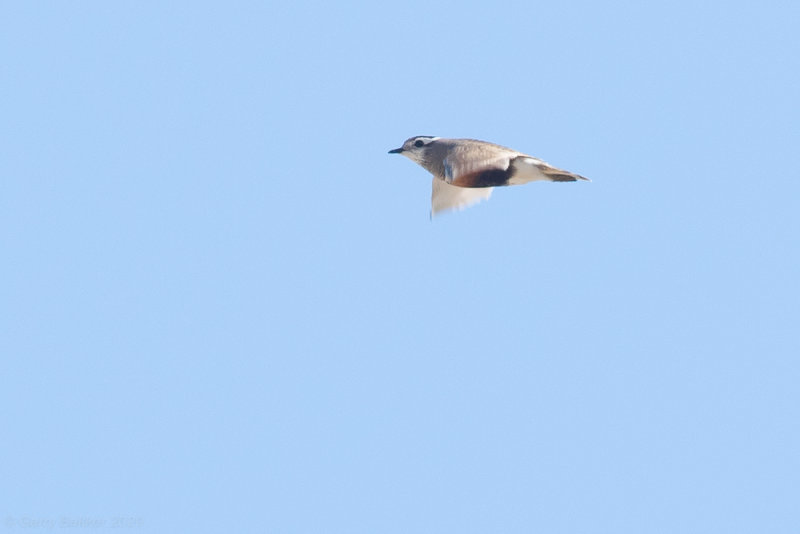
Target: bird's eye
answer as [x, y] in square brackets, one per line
[418, 143]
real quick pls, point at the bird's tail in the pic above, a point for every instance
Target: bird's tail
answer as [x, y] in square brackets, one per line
[526, 169]
[558, 175]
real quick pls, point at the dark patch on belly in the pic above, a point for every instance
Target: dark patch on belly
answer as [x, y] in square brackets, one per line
[488, 178]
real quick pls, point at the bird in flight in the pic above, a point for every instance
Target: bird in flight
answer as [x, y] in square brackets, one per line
[466, 170]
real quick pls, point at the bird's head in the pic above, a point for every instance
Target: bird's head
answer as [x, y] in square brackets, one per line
[415, 147]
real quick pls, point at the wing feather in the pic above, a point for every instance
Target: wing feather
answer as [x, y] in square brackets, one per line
[451, 197]
[470, 159]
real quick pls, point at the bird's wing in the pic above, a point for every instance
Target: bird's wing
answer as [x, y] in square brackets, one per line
[448, 197]
[524, 169]
[477, 164]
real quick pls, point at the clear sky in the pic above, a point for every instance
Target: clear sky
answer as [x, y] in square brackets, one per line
[224, 306]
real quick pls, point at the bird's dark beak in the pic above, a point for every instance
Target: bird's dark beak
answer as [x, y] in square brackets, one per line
[396, 151]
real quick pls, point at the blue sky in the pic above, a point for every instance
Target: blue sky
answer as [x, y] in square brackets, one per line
[225, 308]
